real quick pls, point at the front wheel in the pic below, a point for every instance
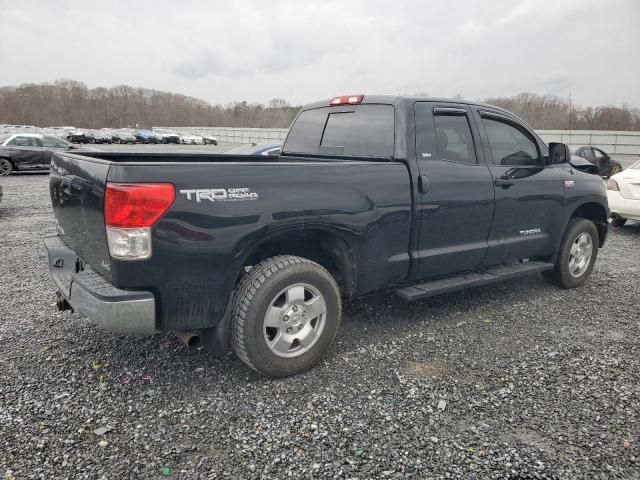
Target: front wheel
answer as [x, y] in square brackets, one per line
[578, 253]
[286, 314]
[6, 167]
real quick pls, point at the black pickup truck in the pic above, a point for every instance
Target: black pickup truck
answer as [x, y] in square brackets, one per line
[370, 193]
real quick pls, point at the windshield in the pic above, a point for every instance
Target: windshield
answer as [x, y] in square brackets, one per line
[4, 137]
[54, 142]
[635, 166]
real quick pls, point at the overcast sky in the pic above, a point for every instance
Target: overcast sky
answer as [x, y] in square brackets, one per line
[303, 51]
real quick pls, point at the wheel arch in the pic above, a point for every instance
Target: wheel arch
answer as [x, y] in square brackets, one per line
[597, 213]
[321, 245]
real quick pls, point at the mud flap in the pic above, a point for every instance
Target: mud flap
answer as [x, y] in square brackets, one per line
[216, 340]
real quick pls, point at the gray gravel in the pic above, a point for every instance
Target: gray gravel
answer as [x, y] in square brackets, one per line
[520, 380]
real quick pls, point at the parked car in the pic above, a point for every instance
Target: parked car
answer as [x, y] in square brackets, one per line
[77, 136]
[123, 136]
[606, 165]
[623, 192]
[167, 136]
[191, 139]
[209, 140]
[29, 151]
[584, 165]
[256, 149]
[100, 136]
[417, 195]
[147, 136]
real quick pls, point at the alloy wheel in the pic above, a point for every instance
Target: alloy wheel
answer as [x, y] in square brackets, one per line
[294, 320]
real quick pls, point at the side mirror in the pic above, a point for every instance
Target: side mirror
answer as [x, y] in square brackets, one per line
[559, 153]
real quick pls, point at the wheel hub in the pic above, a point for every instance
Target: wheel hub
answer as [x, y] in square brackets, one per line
[294, 320]
[580, 254]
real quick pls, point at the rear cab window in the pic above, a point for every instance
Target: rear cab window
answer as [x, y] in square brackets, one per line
[361, 131]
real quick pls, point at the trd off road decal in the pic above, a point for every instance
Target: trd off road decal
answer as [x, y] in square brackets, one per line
[220, 194]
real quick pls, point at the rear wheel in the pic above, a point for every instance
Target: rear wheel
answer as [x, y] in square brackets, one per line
[286, 314]
[6, 167]
[578, 253]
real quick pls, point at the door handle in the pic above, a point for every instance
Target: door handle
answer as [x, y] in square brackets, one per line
[423, 184]
[504, 182]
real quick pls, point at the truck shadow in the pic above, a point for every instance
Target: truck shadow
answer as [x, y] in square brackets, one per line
[162, 361]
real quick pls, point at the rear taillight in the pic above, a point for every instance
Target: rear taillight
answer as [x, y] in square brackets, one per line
[612, 185]
[347, 100]
[130, 210]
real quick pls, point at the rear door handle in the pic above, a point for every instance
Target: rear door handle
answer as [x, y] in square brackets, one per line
[423, 184]
[504, 182]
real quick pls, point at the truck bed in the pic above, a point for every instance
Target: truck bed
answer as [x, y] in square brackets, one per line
[200, 246]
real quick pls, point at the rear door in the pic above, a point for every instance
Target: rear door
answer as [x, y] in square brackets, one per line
[26, 151]
[456, 190]
[529, 196]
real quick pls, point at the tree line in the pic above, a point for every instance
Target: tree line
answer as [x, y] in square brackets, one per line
[69, 102]
[549, 112]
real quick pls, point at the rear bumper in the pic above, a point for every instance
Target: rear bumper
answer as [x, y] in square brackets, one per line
[623, 207]
[90, 294]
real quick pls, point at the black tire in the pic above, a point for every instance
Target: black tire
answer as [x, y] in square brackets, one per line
[619, 222]
[255, 294]
[6, 167]
[561, 275]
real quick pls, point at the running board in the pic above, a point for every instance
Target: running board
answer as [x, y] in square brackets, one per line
[471, 279]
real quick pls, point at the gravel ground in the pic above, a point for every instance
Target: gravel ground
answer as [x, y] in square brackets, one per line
[519, 380]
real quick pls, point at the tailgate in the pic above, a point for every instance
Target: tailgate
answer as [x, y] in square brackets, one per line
[77, 185]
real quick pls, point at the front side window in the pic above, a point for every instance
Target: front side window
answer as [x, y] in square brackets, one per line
[365, 130]
[453, 139]
[510, 145]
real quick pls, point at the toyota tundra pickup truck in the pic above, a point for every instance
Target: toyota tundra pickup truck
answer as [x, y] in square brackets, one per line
[370, 193]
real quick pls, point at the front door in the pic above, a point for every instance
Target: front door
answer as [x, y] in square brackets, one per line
[529, 196]
[456, 190]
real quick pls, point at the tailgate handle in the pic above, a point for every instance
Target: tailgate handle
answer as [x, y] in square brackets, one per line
[423, 184]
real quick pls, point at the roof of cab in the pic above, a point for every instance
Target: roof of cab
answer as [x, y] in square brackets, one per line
[396, 99]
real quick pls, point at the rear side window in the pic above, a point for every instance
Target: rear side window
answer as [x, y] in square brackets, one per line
[24, 142]
[453, 139]
[365, 130]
